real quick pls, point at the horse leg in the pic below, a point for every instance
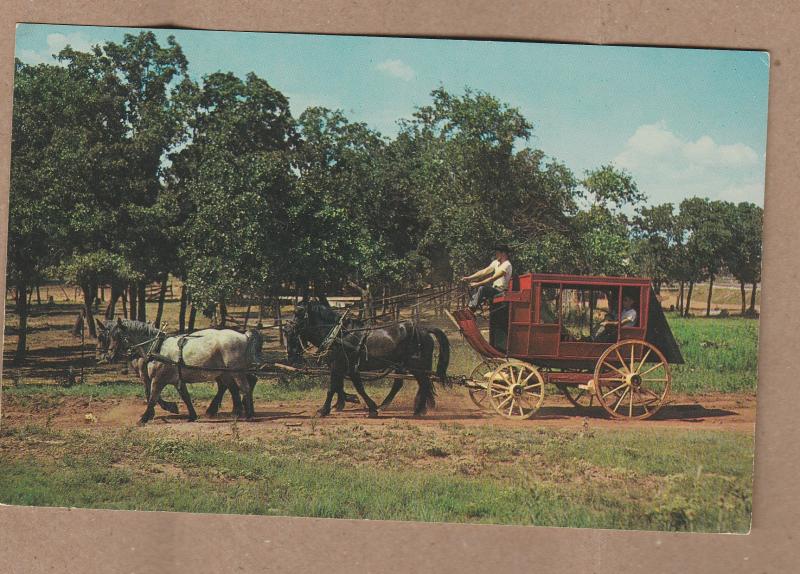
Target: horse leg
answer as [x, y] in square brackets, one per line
[244, 388]
[373, 408]
[187, 400]
[336, 384]
[341, 398]
[140, 367]
[150, 412]
[251, 381]
[424, 396]
[398, 384]
[213, 408]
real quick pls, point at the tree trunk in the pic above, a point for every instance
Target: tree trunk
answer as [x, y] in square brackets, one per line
[161, 295]
[223, 313]
[89, 294]
[192, 316]
[38, 296]
[688, 304]
[112, 301]
[125, 303]
[132, 293]
[680, 299]
[710, 290]
[30, 296]
[246, 317]
[22, 324]
[279, 320]
[141, 313]
[182, 312]
[744, 297]
[753, 299]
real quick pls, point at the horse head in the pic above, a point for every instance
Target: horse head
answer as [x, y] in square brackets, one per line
[111, 340]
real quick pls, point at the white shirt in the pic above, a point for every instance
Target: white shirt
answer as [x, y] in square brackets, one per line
[629, 314]
[502, 282]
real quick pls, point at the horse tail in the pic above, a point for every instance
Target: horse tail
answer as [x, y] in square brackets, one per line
[254, 344]
[444, 353]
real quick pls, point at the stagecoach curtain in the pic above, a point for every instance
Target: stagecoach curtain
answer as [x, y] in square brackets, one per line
[659, 333]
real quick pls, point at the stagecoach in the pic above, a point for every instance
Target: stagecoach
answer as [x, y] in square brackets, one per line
[559, 330]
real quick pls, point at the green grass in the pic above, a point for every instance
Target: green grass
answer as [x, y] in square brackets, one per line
[673, 480]
[720, 354]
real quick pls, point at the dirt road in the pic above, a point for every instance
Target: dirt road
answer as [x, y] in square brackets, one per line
[730, 412]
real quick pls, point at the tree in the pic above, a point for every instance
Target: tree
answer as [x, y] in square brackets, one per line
[143, 77]
[707, 225]
[230, 190]
[64, 165]
[655, 235]
[743, 257]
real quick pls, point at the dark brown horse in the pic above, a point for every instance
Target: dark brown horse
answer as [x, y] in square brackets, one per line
[351, 347]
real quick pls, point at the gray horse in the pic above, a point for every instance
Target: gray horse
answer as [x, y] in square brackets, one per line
[138, 362]
[210, 354]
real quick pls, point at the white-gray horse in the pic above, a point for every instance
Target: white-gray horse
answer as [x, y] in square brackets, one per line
[138, 362]
[207, 355]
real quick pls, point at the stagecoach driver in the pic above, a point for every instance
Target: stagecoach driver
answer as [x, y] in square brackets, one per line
[492, 280]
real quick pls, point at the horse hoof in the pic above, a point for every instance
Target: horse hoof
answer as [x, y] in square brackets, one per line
[372, 415]
[192, 418]
[143, 421]
[323, 413]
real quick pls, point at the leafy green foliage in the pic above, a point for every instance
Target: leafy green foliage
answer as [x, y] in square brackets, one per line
[217, 183]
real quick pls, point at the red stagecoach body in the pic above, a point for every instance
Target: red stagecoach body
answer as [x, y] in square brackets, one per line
[550, 322]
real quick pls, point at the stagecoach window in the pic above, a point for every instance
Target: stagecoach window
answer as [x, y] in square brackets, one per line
[548, 310]
[583, 310]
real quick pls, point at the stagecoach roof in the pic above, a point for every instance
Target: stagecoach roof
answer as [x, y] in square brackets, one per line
[587, 279]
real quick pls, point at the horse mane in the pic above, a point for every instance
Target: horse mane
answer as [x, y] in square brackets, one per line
[328, 314]
[137, 329]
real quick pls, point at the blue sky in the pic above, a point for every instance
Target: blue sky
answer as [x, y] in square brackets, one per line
[683, 122]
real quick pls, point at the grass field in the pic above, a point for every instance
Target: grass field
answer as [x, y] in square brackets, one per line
[687, 479]
[664, 480]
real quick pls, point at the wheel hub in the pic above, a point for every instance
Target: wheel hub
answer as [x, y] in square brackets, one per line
[516, 390]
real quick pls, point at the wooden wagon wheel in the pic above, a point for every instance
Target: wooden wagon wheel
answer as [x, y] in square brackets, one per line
[516, 389]
[632, 380]
[579, 398]
[480, 376]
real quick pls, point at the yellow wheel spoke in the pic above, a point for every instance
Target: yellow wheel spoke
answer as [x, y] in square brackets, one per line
[619, 402]
[630, 405]
[633, 349]
[623, 373]
[614, 390]
[501, 405]
[622, 361]
[641, 363]
[651, 369]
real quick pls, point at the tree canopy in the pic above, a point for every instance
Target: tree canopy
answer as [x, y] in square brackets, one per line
[125, 169]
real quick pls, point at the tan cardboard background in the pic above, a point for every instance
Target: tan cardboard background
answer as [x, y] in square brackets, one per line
[87, 541]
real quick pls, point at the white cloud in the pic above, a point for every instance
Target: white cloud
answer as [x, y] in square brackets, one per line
[396, 68]
[668, 167]
[55, 43]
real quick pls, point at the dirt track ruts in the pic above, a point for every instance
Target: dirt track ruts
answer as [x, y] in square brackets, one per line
[729, 412]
